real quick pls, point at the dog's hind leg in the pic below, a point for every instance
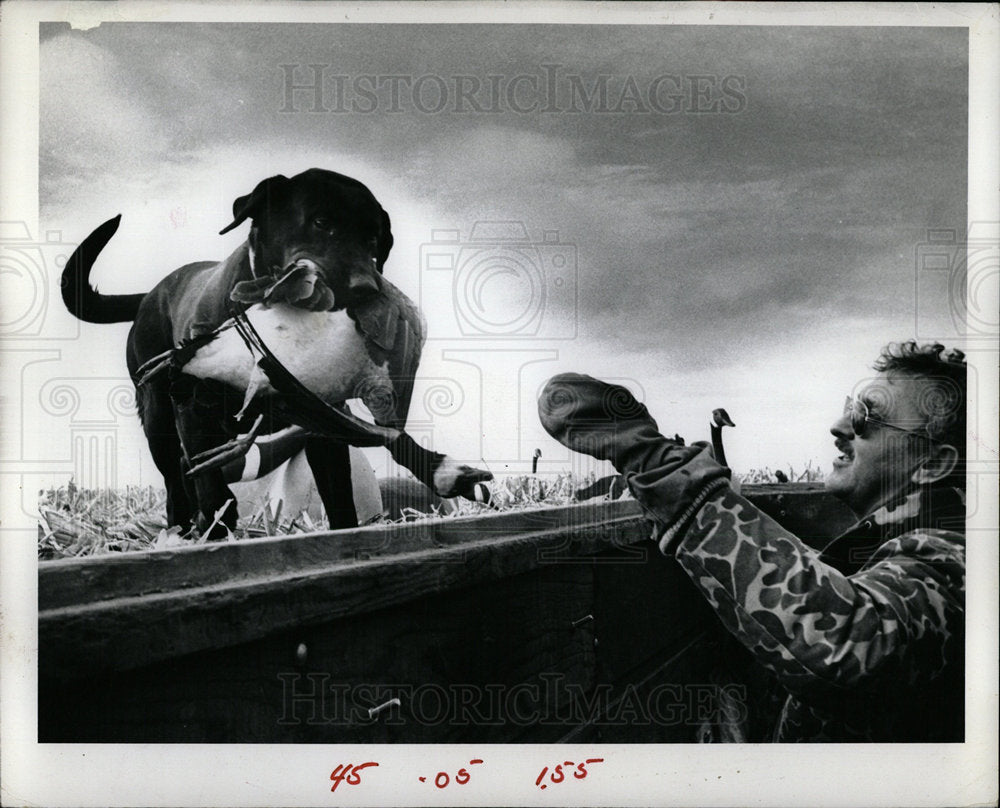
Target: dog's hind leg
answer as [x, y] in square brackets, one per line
[330, 462]
[158, 422]
[200, 417]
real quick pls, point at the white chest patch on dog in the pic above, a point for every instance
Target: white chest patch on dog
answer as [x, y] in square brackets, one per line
[322, 349]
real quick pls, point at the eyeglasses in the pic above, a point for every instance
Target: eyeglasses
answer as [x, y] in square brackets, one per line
[861, 417]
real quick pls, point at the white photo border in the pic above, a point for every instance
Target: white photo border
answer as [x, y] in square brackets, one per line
[873, 775]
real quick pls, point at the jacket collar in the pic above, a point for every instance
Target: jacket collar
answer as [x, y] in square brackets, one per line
[940, 507]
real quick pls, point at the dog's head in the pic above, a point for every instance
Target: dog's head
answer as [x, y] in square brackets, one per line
[321, 222]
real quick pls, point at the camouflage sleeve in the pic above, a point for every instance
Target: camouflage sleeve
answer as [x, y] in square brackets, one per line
[815, 628]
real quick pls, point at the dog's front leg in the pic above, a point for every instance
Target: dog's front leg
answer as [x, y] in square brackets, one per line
[330, 462]
[439, 472]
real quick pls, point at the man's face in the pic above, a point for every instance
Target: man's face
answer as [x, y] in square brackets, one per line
[879, 466]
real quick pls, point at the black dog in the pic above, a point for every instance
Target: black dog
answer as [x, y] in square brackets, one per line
[312, 271]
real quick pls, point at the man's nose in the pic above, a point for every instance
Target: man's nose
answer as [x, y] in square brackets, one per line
[842, 428]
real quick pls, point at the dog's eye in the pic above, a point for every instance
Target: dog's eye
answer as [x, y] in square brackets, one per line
[322, 223]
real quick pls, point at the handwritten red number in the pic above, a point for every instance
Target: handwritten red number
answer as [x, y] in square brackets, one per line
[442, 779]
[354, 778]
[337, 775]
[350, 773]
[581, 769]
[557, 775]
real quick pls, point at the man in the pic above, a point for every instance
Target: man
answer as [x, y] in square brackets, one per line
[866, 638]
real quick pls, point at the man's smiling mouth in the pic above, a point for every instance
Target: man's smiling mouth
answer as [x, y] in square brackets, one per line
[846, 456]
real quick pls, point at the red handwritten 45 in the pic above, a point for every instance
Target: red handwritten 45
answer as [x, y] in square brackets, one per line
[350, 774]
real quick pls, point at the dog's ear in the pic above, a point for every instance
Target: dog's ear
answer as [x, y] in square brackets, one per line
[249, 206]
[384, 241]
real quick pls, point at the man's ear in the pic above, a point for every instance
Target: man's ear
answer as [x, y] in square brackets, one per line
[939, 464]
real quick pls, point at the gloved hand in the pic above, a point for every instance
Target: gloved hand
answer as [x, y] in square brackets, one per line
[670, 480]
[595, 418]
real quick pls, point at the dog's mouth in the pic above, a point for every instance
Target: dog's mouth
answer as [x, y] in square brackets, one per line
[300, 284]
[302, 260]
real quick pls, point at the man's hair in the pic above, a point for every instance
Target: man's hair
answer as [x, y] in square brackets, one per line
[943, 400]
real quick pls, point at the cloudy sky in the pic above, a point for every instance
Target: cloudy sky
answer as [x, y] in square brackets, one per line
[715, 216]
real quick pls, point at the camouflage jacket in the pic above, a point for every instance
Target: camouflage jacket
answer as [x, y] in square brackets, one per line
[865, 639]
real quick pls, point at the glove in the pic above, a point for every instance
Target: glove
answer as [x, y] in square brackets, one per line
[594, 418]
[670, 480]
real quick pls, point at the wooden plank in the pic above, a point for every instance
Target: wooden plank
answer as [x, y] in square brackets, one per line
[802, 507]
[128, 610]
[654, 706]
[127, 632]
[459, 662]
[642, 611]
[513, 604]
[75, 581]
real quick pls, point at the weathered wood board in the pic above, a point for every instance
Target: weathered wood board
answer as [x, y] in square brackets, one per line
[522, 626]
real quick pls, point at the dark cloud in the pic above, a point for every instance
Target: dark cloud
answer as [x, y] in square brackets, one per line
[848, 143]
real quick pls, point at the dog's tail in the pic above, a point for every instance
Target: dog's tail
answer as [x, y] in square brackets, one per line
[82, 300]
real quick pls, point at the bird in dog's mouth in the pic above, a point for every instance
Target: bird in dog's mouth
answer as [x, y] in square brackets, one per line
[304, 329]
[302, 285]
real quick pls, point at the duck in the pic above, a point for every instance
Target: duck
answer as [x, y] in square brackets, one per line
[290, 348]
